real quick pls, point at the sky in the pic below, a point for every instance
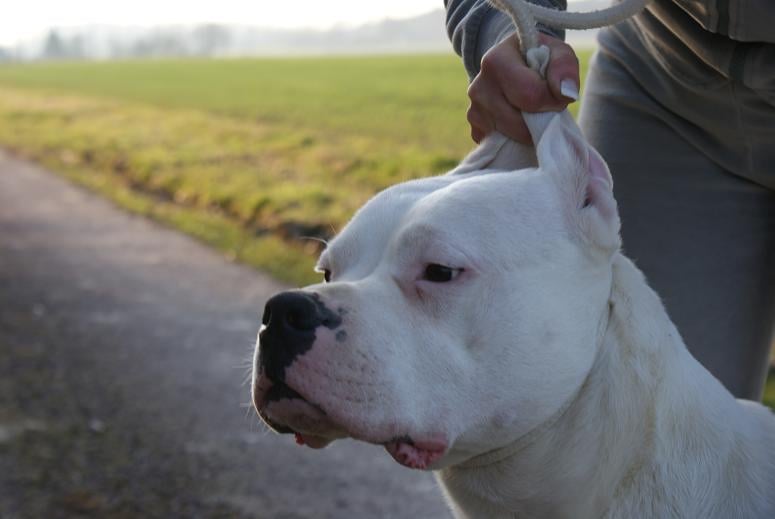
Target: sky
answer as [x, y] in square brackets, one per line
[25, 19]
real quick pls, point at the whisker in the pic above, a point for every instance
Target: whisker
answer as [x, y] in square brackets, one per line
[314, 238]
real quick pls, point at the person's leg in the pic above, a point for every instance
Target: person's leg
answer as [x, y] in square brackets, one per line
[704, 238]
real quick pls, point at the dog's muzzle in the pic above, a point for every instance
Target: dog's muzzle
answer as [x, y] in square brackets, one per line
[290, 320]
[289, 325]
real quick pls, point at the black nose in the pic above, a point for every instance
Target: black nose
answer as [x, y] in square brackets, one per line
[294, 312]
[290, 320]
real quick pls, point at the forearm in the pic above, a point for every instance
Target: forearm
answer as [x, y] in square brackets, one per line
[474, 26]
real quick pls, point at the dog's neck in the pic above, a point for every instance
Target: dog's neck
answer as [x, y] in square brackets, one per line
[647, 415]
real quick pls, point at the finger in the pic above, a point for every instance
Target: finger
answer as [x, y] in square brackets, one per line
[479, 117]
[506, 119]
[477, 135]
[480, 120]
[562, 74]
[510, 122]
[521, 86]
[490, 110]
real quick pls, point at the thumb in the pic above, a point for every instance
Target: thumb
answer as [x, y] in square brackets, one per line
[562, 74]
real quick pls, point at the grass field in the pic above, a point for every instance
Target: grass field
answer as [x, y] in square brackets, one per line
[250, 155]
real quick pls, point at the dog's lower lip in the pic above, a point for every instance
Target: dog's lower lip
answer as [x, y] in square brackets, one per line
[280, 390]
[276, 392]
[278, 428]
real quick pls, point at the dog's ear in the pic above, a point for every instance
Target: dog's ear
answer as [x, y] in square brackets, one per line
[581, 175]
[496, 151]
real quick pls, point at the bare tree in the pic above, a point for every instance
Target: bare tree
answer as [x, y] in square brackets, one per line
[210, 39]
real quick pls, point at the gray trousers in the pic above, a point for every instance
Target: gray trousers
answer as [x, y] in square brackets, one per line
[704, 236]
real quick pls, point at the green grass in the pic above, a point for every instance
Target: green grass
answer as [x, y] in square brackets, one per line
[408, 100]
[275, 150]
[415, 100]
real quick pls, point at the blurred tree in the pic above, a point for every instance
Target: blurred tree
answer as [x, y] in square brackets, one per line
[158, 44]
[75, 47]
[211, 39]
[54, 47]
[57, 46]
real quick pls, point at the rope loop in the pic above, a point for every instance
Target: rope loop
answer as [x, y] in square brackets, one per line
[537, 58]
[525, 15]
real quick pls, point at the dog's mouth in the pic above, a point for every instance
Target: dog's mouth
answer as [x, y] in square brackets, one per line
[286, 411]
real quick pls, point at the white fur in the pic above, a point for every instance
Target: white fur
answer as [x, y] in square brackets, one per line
[549, 368]
[650, 434]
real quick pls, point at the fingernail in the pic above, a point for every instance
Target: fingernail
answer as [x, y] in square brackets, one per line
[568, 88]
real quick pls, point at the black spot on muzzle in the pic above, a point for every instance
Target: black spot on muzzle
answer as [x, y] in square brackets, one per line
[290, 320]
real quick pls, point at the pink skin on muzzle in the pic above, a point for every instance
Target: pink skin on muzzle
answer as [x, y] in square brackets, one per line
[331, 400]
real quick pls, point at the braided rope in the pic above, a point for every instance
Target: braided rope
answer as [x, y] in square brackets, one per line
[589, 20]
[525, 15]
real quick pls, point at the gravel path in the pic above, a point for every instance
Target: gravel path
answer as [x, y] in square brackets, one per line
[123, 352]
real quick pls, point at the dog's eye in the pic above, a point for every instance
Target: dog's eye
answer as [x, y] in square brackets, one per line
[436, 273]
[326, 275]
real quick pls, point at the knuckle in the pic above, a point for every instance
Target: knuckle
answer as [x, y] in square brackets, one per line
[566, 59]
[473, 116]
[475, 89]
[489, 64]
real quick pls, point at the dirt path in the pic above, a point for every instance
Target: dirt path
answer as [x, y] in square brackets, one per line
[123, 351]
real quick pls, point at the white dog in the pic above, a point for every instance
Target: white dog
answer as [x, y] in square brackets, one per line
[484, 325]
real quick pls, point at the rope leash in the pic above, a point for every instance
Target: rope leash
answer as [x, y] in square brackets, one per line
[525, 15]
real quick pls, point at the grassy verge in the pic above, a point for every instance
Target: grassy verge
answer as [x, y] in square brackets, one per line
[252, 156]
[119, 151]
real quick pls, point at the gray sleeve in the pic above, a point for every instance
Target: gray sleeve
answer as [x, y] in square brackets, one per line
[474, 26]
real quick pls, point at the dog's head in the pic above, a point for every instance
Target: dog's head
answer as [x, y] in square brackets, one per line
[459, 312]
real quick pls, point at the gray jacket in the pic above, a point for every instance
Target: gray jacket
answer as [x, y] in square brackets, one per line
[732, 38]
[740, 20]
[474, 26]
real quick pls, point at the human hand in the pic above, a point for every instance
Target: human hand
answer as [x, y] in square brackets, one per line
[506, 86]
